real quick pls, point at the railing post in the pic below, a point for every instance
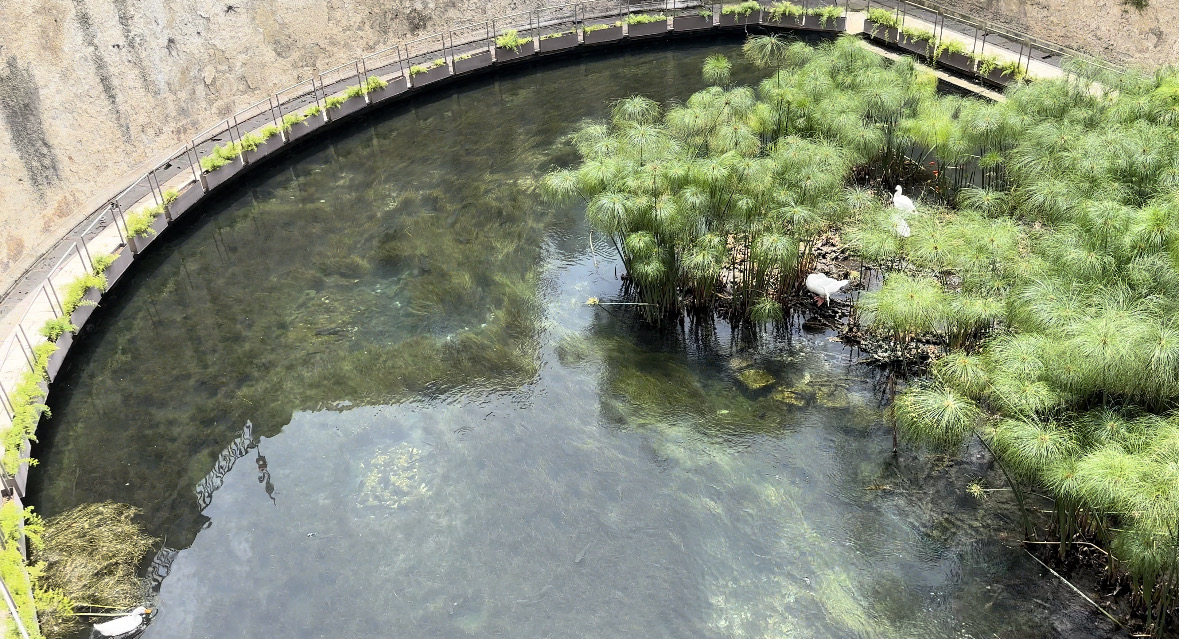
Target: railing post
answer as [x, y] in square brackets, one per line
[360, 81]
[13, 612]
[117, 216]
[9, 407]
[27, 353]
[87, 263]
[46, 287]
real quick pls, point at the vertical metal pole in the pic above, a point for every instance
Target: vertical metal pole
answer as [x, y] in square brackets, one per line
[29, 353]
[81, 259]
[193, 162]
[9, 407]
[116, 216]
[46, 288]
[20, 624]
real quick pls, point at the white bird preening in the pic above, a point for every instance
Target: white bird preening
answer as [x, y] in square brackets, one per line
[123, 625]
[903, 205]
[823, 287]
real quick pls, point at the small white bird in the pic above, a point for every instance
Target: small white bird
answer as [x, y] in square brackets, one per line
[823, 286]
[900, 226]
[123, 625]
[903, 202]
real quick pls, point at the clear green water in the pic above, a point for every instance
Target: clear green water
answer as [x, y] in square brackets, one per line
[445, 441]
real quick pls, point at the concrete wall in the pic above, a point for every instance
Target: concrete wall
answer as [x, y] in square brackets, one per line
[1105, 28]
[92, 90]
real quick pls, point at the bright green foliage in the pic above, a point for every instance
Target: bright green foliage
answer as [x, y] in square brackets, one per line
[21, 579]
[291, 119]
[740, 10]
[139, 223]
[780, 10]
[54, 328]
[511, 39]
[221, 156]
[884, 18]
[723, 197]
[312, 110]
[905, 306]
[1044, 254]
[599, 27]
[334, 101]
[644, 18]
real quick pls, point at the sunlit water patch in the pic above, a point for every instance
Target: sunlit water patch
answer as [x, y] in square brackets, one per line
[365, 397]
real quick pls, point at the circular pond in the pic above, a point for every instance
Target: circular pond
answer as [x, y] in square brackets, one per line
[363, 395]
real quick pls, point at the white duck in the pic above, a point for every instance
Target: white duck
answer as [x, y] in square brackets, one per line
[903, 205]
[823, 286]
[903, 202]
[123, 625]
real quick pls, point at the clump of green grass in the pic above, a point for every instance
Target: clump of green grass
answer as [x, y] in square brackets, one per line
[422, 68]
[600, 27]
[511, 39]
[644, 18]
[55, 328]
[780, 10]
[884, 18]
[741, 10]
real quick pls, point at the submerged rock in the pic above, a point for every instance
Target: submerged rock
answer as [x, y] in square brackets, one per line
[755, 378]
[832, 397]
[790, 396]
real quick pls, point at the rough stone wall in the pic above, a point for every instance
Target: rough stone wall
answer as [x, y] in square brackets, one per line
[92, 89]
[1107, 29]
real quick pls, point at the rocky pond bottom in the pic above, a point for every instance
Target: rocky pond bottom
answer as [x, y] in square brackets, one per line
[363, 395]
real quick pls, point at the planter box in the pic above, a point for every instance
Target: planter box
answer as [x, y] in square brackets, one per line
[785, 22]
[995, 76]
[731, 20]
[433, 75]
[266, 148]
[956, 61]
[118, 267]
[559, 43]
[505, 55]
[305, 127]
[609, 34]
[646, 29]
[920, 47]
[86, 308]
[817, 23]
[218, 177]
[881, 33]
[138, 244]
[188, 197]
[396, 86]
[53, 365]
[350, 106]
[477, 61]
[21, 481]
[691, 23]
